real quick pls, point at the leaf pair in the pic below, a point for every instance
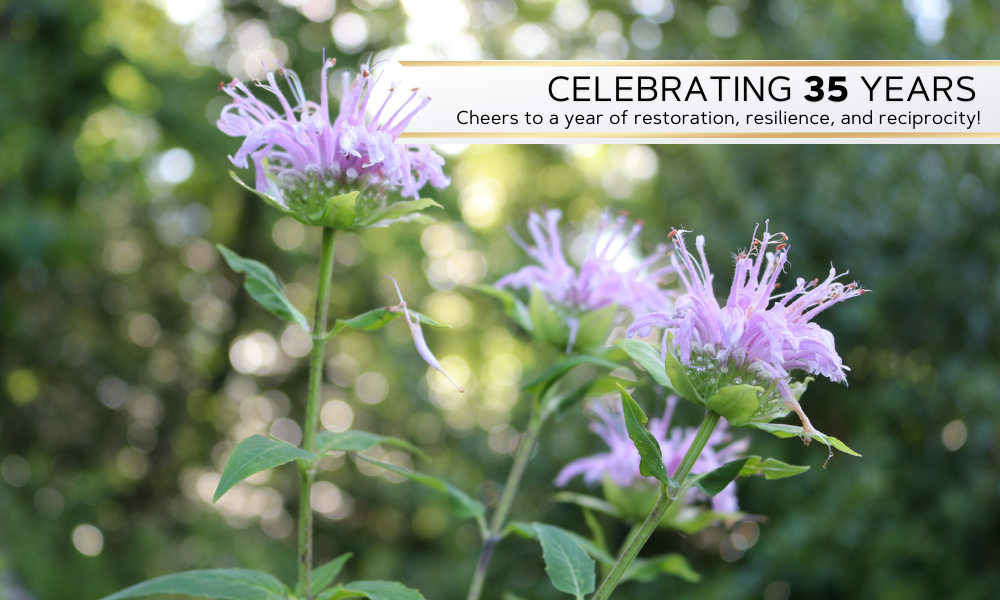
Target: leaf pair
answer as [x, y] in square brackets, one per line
[265, 287]
[243, 584]
[258, 453]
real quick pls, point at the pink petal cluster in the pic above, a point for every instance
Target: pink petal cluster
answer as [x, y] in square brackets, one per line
[302, 147]
[598, 283]
[757, 328]
[621, 463]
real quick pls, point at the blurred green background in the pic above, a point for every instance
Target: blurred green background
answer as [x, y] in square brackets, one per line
[131, 361]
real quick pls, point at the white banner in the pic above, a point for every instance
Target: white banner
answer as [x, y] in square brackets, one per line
[707, 101]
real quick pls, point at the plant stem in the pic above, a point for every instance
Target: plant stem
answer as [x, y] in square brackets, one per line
[306, 469]
[510, 488]
[662, 504]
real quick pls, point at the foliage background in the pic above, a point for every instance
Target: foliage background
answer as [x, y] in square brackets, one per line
[121, 330]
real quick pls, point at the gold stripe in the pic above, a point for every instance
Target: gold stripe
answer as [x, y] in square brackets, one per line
[700, 63]
[705, 135]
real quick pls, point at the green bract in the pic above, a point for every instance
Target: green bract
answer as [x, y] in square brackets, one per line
[314, 205]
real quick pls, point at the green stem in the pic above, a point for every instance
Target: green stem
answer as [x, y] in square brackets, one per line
[662, 504]
[492, 537]
[306, 469]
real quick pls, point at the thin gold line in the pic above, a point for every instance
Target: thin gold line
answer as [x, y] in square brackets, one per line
[706, 135]
[700, 63]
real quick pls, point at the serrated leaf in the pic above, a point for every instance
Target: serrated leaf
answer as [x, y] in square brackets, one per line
[679, 376]
[568, 565]
[377, 319]
[359, 441]
[716, 480]
[770, 468]
[394, 212]
[591, 502]
[737, 403]
[462, 505]
[787, 431]
[263, 286]
[227, 584]
[528, 531]
[253, 455]
[645, 570]
[323, 576]
[649, 358]
[377, 590]
[512, 305]
[594, 328]
[651, 457]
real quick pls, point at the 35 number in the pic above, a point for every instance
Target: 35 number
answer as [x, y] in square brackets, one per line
[835, 87]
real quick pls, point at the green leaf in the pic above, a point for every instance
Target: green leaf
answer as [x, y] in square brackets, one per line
[377, 319]
[394, 211]
[787, 431]
[253, 455]
[541, 384]
[546, 325]
[737, 403]
[598, 386]
[645, 570]
[594, 328]
[679, 376]
[268, 199]
[323, 576]
[648, 358]
[702, 520]
[462, 505]
[512, 305]
[263, 285]
[228, 584]
[569, 567]
[528, 531]
[770, 468]
[586, 501]
[376, 590]
[651, 457]
[716, 480]
[359, 441]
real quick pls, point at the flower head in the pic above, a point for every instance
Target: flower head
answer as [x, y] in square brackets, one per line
[598, 283]
[327, 173]
[758, 335]
[620, 465]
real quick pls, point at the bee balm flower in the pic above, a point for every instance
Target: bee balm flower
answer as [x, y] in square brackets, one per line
[598, 284]
[334, 174]
[759, 337]
[619, 467]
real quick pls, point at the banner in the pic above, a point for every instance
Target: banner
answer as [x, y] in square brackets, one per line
[707, 101]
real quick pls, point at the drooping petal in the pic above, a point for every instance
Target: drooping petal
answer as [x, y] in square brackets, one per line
[418, 337]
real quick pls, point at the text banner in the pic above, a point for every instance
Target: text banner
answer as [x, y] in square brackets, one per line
[707, 101]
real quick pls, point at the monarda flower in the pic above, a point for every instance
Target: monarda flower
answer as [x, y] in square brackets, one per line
[338, 174]
[618, 469]
[574, 307]
[757, 339]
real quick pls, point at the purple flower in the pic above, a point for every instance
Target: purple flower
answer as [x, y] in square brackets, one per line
[757, 333]
[598, 283]
[621, 464]
[413, 321]
[302, 160]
